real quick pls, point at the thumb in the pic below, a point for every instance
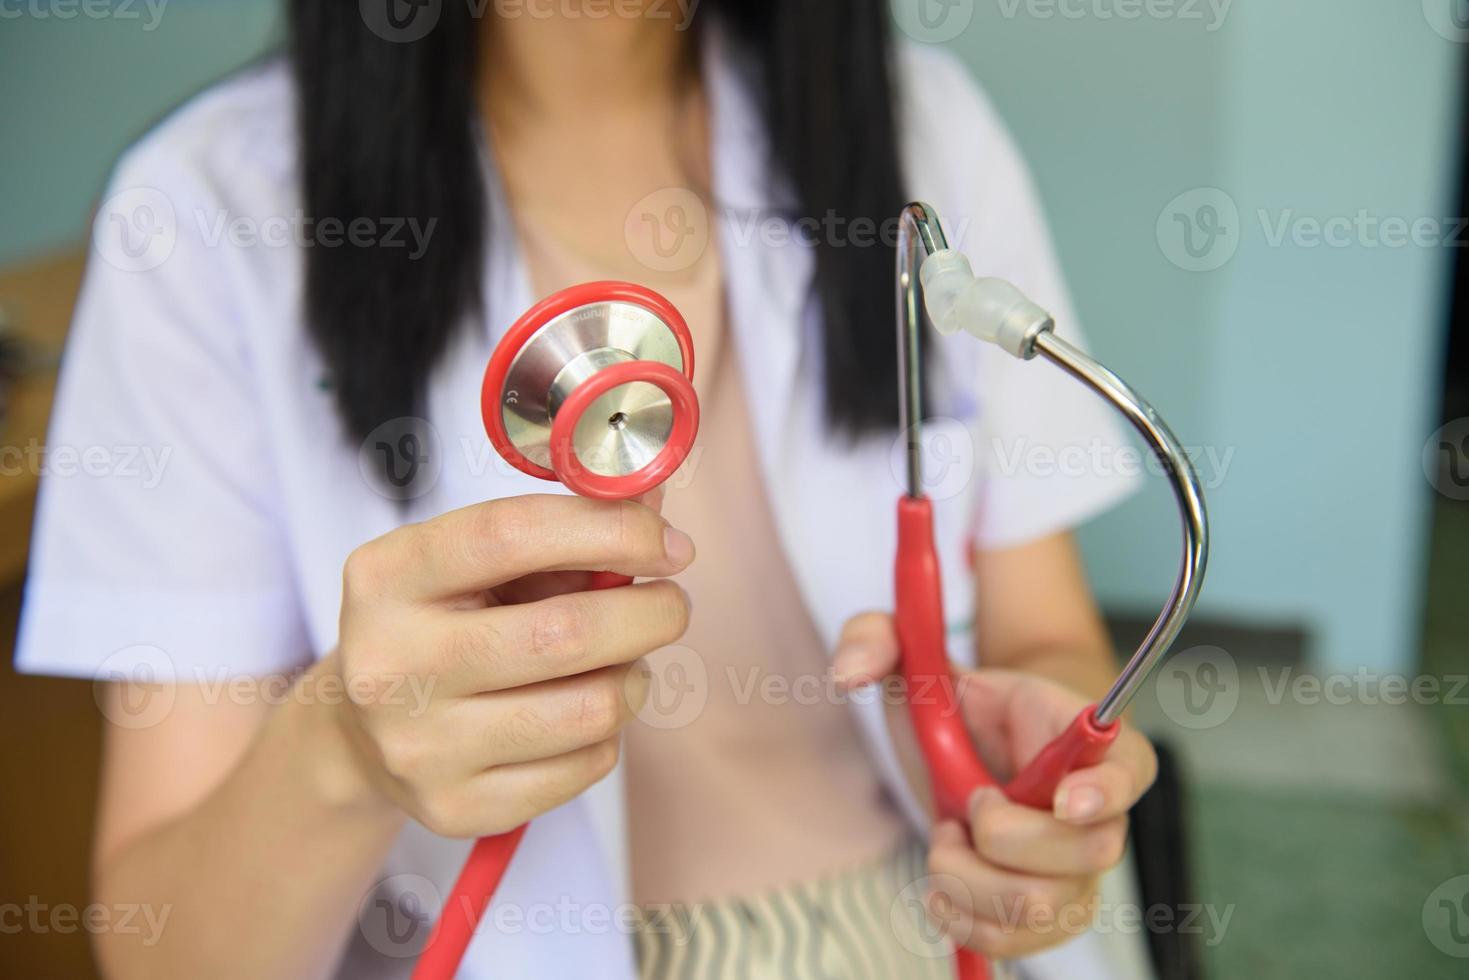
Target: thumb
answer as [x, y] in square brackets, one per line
[867, 651]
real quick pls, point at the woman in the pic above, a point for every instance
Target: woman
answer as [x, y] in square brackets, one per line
[435, 177]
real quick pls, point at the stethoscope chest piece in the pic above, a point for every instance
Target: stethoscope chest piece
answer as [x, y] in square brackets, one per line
[593, 387]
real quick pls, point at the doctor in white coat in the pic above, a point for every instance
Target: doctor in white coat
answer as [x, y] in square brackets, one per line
[325, 672]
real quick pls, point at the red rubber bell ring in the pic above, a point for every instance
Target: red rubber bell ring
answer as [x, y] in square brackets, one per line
[570, 470]
[548, 309]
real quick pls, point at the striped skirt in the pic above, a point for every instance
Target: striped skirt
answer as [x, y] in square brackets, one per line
[865, 924]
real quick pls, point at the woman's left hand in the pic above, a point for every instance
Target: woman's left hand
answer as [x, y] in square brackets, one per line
[1017, 880]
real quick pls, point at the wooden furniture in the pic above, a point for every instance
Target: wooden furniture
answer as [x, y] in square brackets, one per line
[50, 727]
[38, 298]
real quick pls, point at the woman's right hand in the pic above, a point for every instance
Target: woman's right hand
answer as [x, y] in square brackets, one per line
[524, 678]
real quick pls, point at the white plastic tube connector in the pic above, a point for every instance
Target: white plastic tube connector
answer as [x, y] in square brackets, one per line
[990, 309]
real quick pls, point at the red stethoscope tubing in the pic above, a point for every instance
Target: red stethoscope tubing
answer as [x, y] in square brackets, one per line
[954, 766]
[490, 857]
[466, 904]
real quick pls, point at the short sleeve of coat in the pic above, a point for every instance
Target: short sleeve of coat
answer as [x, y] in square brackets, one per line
[1049, 453]
[155, 538]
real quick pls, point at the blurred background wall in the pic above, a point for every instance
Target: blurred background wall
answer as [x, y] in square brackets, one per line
[1311, 373]
[106, 80]
[1307, 375]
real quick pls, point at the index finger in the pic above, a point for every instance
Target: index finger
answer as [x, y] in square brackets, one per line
[487, 544]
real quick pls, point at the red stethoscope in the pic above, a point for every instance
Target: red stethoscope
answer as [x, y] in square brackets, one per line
[592, 387]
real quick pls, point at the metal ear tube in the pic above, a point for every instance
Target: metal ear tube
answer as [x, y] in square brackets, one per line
[593, 388]
[995, 311]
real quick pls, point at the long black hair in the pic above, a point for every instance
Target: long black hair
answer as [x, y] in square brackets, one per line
[387, 128]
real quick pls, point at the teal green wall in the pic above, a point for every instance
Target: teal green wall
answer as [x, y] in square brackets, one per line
[1316, 368]
[79, 90]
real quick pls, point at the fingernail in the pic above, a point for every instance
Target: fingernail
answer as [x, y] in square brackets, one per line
[854, 663]
[678, 546]
[1080, 803]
